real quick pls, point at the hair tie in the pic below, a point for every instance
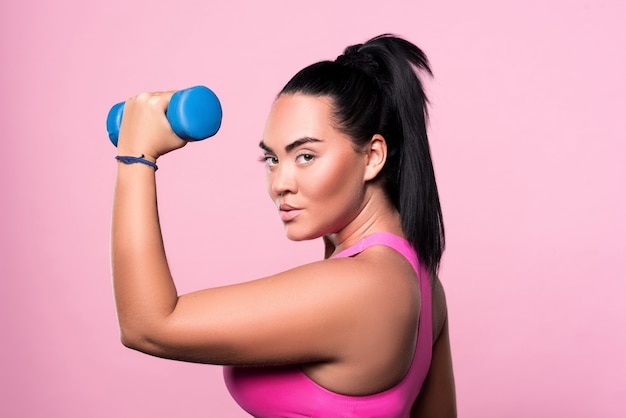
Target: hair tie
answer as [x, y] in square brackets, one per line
[356, 58]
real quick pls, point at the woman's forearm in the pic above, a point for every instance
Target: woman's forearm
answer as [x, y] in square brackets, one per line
[144, 291]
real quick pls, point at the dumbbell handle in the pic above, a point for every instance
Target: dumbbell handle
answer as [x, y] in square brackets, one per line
[194, 114]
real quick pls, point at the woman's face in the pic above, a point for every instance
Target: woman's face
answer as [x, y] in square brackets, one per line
[314, 174]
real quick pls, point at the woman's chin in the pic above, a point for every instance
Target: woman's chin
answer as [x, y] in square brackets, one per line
[298, 235]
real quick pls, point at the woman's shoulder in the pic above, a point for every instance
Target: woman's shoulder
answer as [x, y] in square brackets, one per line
[376, 284]
[379, 288]
[375, 266]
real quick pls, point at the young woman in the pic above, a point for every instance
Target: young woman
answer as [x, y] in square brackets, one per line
[361, 333]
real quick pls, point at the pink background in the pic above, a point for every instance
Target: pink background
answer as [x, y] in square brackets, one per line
[528, 140]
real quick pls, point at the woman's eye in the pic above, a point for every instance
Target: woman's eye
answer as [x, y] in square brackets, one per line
[269, 160]
[304, 158]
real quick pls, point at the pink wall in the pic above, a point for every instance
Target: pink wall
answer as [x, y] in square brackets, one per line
[529, 146]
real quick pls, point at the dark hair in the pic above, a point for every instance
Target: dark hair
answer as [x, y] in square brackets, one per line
[375, 90]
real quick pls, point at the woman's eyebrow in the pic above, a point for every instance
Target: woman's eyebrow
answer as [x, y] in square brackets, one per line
[294, 144]
[265, 147]
[301, 141]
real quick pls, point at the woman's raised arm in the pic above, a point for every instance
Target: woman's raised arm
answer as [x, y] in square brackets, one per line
[300, 315]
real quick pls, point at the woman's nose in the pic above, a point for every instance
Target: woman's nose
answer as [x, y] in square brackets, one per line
[282, 180]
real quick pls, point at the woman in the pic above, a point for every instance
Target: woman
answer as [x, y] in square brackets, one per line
[357, 334]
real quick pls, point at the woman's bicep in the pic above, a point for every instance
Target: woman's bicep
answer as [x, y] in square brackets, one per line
[296, 316]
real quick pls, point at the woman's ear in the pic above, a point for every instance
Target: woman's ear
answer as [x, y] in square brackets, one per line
[376, 152]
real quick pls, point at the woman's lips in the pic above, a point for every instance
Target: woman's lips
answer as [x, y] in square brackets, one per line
[288, 213]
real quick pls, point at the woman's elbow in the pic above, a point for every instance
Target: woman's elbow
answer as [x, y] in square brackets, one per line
[129, 340]
[140, 340]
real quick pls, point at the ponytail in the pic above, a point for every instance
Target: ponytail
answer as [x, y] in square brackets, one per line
[375, 89]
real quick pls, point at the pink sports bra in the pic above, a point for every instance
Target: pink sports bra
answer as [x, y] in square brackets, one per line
[285, 391]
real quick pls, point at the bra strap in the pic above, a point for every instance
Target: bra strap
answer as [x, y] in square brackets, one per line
[382, 238]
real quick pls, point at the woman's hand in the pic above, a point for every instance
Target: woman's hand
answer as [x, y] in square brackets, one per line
[145, 129]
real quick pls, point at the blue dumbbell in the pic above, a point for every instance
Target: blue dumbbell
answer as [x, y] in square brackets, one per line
[194, 114]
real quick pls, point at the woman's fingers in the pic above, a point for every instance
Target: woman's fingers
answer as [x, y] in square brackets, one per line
[145, 128]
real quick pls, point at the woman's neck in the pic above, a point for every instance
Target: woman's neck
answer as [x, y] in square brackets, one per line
[377, 215]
